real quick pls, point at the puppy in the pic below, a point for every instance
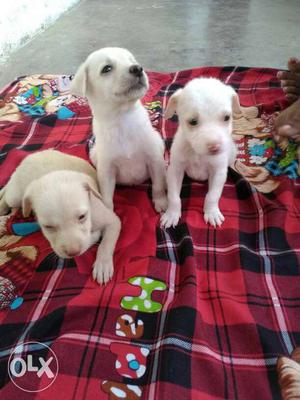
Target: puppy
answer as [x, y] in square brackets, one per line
[127, 150]
[63, 193]
[202, 147]
[33, 167]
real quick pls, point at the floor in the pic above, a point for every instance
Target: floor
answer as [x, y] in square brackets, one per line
[166, 35]
[22, 19]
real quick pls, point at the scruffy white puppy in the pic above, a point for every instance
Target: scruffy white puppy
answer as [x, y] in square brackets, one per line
[203, 147]
[62, 191]
[127, 150]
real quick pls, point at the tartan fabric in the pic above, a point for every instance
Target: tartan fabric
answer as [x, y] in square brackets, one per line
[225, 302]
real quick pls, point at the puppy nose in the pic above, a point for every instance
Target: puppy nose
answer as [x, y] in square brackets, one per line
[214, 147]
[136, 70]
[72, 253]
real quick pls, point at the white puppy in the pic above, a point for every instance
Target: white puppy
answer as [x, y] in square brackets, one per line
[203, 147]
[63, 193]
[128, 150]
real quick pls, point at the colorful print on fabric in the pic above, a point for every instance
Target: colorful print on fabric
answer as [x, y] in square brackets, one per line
[143, 302]
[17, 261]
[127, 327]
[117, 391]
[131, 360]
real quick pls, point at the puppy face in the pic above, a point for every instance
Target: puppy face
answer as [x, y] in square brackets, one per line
[61, 203]
[112, 74]
[204, 108]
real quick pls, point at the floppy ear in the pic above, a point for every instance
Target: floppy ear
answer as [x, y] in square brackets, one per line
[79, 82]
[236, 108]
[26, 204]
[172, 104]
[89, 188]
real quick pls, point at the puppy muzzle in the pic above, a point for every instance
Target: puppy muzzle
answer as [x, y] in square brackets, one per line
[136, 70]
[70, 251]
[214, 148]
[138, 82]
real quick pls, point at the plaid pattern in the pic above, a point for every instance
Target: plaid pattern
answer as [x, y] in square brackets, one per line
[231, 302]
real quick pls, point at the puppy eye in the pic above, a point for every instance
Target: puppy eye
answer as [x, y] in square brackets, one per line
[106, 69]
[227, 118]
[82, 217]
[193, 122]
[49, 227]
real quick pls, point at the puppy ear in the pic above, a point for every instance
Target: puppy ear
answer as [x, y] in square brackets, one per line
[236, 108]
[26, 204]
[79, 82]
[172, 104]
[89, 188]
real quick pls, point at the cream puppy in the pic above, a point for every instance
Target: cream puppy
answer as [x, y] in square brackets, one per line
[63, 193]
[33, 167]
[203, 147]
[127, 150]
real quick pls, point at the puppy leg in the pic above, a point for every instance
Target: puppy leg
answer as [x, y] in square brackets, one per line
[103, 267]
[10, 196]
[4, 207]
[175, 175]
[107, 182]
[93, 155]
[157, 172]
[216, 182]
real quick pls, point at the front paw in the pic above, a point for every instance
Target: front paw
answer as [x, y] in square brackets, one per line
[160, 203]
[214, 216]
[170, 218]
[103, 269]
[4, 209]
[108, 203]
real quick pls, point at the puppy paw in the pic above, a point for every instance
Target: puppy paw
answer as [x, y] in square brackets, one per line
[109, 204]
[160, 203]
[170, 218]
[4, 209]
[214, 217]
[103, 269]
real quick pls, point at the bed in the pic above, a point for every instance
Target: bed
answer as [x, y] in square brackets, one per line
[192, 312]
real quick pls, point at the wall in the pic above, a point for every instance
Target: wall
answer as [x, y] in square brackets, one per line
[20, 20]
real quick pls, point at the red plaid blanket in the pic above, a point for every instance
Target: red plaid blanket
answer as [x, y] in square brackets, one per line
[192, 312]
